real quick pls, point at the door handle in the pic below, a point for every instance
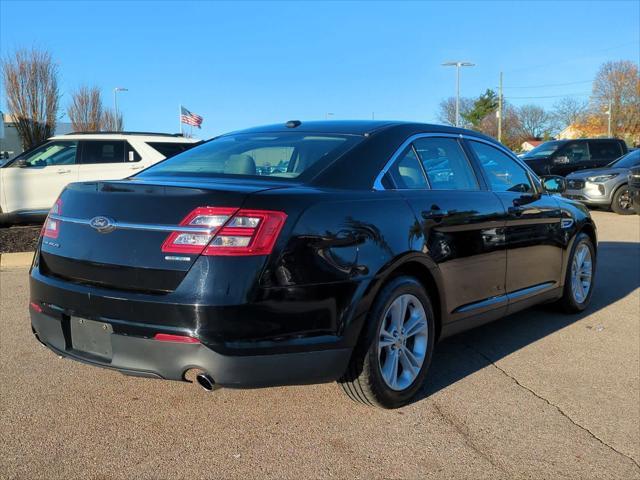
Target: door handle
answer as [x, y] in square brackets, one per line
[517, 211]
[136, 167]
[435, 213]
[63, 172]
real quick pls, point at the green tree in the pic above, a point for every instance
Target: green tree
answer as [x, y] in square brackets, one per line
[484, 105]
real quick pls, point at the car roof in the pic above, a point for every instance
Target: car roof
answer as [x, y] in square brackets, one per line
[355, 127]
[144, 136]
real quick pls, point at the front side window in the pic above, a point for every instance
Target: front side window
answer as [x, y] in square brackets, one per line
[503, 172]
[575, 152]
[103, 151]
[282, 155]
[407, 173]
[446, 164]
[49, 154]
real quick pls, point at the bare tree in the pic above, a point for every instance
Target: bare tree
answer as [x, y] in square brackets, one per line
[111, 123]
[85, 111]
[618, 84]
[569, 110]
[535, 122]
[512, 135]
[447, 111]
[31, 84]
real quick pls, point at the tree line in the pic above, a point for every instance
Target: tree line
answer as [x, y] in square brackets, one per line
[615, 93]
[33, 98]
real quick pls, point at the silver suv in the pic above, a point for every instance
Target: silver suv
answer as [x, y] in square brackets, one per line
[605, 187]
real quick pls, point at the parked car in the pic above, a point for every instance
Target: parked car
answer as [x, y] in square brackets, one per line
[605, 187]
[31, 182]
[377, 240]
[633, 180]
[561, 157]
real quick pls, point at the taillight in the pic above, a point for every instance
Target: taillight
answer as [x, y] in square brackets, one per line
[227, 231]
[167, 337]
[51, 227]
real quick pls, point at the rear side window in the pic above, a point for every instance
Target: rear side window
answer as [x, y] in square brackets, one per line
[103, 151]
[283, 155]
[169, 149]
[446, 164]
[503, 172]
[604, 150]
[407, 173]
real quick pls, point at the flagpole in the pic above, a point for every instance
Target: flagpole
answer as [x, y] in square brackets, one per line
[180, 118]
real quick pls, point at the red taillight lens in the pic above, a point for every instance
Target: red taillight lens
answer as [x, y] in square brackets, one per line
[167, 337]
[35, 307]
[228, 231]
[51, 227]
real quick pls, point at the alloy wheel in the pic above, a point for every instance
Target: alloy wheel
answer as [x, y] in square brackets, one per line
[581, 273]
[402, 342]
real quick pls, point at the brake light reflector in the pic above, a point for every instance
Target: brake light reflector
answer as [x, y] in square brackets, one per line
[34, 306]
[51, 228]
[167, 337]
[226, 231]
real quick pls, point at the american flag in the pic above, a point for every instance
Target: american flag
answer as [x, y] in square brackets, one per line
[190, 118]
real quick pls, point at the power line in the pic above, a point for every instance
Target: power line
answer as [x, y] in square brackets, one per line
[555, 96]
[553, 84]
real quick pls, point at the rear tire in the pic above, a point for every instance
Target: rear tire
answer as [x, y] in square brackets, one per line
[621, 201]
[390, 362]
[580, 276]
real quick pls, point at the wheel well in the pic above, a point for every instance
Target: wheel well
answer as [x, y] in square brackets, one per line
[591, 232]
[424, 276]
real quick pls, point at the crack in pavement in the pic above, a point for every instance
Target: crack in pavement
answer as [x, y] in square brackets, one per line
[562, 412]
[464, 433]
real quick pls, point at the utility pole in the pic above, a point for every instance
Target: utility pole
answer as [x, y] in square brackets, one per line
[458, 64]
[500, 110]
[609, 120]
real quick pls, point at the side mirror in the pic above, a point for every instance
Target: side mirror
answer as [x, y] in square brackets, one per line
[554, 184]
[560, 160]
[22, 163]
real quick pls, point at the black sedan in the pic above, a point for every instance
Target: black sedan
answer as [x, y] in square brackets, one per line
[305, 253]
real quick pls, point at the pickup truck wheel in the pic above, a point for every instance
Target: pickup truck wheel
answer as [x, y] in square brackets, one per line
[621, 202]
[390, 362]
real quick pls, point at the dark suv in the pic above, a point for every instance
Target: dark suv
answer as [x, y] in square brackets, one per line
[561, 157]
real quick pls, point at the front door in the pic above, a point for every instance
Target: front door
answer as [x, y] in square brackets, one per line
[34, 181]
[534, 231]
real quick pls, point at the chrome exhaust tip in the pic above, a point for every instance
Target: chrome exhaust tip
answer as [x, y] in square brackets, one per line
[206, 382]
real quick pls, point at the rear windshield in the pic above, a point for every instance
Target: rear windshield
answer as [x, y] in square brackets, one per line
[283, 155]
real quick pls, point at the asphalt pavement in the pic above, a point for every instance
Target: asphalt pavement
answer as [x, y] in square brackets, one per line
[536, 395]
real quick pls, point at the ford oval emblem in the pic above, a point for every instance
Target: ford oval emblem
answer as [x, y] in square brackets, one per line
[103, 224]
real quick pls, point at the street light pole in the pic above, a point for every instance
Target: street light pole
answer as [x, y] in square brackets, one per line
[115, 99]
[458, 64]
[609, 120]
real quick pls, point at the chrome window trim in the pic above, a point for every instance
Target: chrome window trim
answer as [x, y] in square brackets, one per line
[136, 226]
[377, 184]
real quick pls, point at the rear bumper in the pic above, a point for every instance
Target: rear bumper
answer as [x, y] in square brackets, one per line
[146, 357]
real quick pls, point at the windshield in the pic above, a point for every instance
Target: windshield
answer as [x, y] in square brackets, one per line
[544, 150]
[283, 155]
[629, 160]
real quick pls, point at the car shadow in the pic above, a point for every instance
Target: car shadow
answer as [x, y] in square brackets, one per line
[617, 275]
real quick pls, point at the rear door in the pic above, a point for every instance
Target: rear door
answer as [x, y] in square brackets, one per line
[107, 160]
[603, 152]
[33, 182]
[534, 237]
[461, 224]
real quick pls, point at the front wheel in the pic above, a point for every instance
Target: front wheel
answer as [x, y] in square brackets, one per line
[578, 284]
[390, 362]
[621, 202]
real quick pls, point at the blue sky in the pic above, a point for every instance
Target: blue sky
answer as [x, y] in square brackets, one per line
[249, 63]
